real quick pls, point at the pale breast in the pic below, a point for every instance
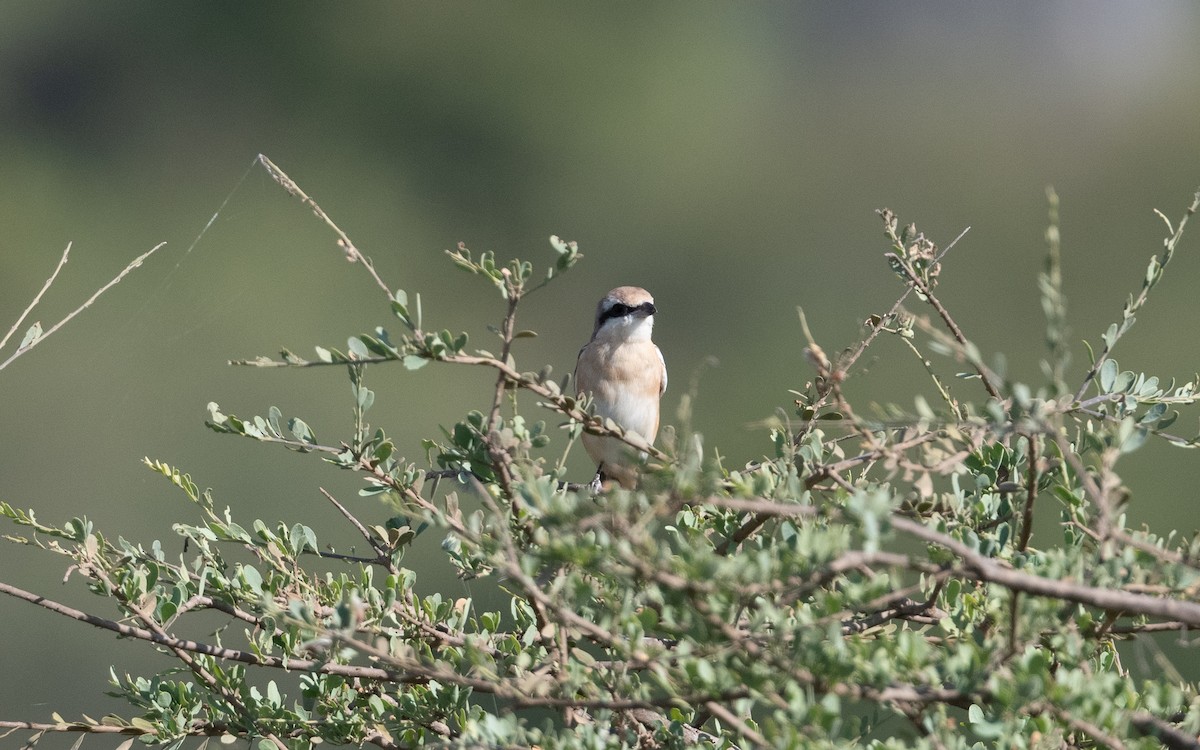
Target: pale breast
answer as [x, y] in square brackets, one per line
[625, 382]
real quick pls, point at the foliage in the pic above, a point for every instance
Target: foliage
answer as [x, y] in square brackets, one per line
[870, 582]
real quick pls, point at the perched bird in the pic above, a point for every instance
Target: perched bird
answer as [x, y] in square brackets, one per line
[624, 373]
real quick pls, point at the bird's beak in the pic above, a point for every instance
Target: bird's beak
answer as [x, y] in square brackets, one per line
[649, 308]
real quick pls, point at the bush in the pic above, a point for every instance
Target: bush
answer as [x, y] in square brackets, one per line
[871, 583]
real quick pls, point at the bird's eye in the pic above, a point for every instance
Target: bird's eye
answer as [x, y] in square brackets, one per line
[616, 310]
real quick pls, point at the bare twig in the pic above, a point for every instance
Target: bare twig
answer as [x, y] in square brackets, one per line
[38, 297]
[353, 254]
[383, 554]
[135, 263]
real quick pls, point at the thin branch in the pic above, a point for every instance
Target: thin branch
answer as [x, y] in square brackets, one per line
[762, 512]
[507, 329]
[691, 733]
[1031, 485]
[1135, 304]
[554, 398]
[352, 253]
[560, 403]
[384, 555]
[232, 699]
[924, 290]
[218, 652]
[845, 363]
[135, 263]
[1171, 736]
[954, 342]
[987, 569]
[1086, 727]
[1098, 491]
[210, 730]
[38, 297]
[1150, 627]
[197, 729]
[727, 716]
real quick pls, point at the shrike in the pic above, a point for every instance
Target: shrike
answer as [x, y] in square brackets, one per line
[625, 375]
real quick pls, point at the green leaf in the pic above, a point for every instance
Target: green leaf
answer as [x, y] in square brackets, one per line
[301, 537]
[378, 707]
[1153, 271]
[1110, 336]
[301, 430]
[31, 336]
[357, 348]
[1108, 375]
[251, 577]
[400, 310]
[1132, 438]
[365, 398]
[377, 347]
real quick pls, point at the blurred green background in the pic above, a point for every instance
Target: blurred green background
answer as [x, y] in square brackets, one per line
[728, 157]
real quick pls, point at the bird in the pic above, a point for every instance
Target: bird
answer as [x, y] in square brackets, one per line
[625, 375]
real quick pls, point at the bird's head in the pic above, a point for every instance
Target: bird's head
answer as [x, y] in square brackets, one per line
[627, 313]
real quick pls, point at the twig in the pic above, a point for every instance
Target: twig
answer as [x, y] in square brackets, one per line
[1171, 737]
[915, 281]
[845, 363]
[384, 556]
[1098, 491]
[38, 297]
[1134, 305]
[1086, 727]
[1031, 485]
[989, 570]
[232, 699]
[1149, 627]
[125, 272]
[208, 730]
[986, 569]
[727, 716]
[817, 475]
[554, 399]
[353, 254]
[218, 652]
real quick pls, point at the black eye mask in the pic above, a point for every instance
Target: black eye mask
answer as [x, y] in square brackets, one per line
[620, 310]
